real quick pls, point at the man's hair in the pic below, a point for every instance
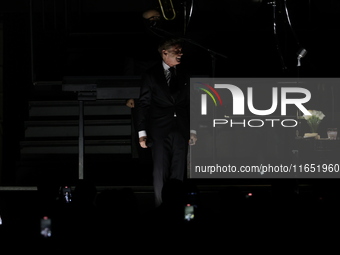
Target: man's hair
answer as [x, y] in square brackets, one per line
[168, 42]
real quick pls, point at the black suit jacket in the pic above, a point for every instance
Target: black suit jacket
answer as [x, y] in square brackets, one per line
[156, 106]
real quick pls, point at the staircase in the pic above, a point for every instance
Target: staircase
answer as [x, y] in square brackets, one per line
[51, 145]
[53, 128]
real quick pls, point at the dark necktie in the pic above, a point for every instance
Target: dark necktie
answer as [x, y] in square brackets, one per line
[173, 84]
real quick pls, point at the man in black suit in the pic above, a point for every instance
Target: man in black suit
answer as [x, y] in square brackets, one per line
[163, 116]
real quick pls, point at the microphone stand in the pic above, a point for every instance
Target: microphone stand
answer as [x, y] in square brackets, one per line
[212, 53]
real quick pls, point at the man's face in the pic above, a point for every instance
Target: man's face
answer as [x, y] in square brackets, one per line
[172, 56]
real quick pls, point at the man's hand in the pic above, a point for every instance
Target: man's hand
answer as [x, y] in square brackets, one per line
[142, 141]
[193, 139]
[130, 103]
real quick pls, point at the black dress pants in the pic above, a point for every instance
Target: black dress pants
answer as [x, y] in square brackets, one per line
[169, 160]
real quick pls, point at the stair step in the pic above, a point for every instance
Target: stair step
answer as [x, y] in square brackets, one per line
[70, 128]
[106, 146]
[71, 108]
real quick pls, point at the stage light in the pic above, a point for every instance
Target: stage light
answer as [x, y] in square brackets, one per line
[249, 194]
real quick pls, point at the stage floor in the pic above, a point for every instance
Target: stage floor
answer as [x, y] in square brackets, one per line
[126, 216]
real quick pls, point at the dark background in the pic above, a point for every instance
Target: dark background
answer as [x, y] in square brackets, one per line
[95, 37]
[46, 40]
